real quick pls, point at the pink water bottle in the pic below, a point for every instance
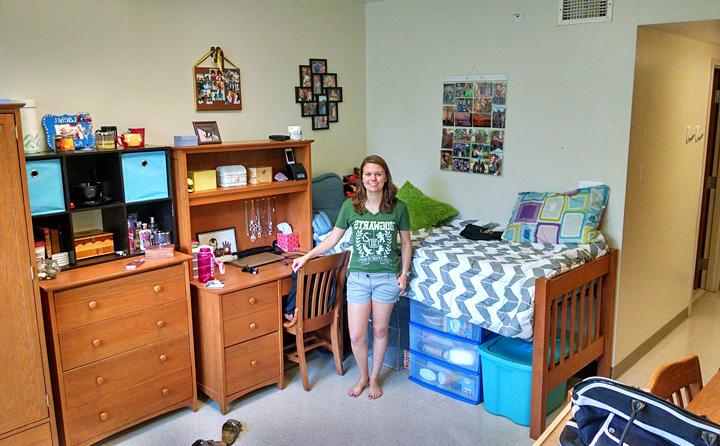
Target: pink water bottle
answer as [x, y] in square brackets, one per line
[205, 264]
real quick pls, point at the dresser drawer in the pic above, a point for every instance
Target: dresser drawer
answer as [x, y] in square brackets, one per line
[37, 436]
[251, 363]
[103, 415]
[250, 326]
[250, 300]
[109, 376]
[103, 339]
[117, 297]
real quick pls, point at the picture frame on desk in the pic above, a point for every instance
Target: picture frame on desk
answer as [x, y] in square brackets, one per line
[222, 242]
[207, 132]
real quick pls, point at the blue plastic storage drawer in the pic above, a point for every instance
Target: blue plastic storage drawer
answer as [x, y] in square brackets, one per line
[445, 378]
[45, 186]
[437, 320]
[144, 176]
[507, 379]
[456, 351]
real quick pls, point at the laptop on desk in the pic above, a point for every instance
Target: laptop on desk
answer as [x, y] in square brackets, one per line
[256, 260]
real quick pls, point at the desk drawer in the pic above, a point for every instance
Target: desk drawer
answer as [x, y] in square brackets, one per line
[250, 326]
[117, 297]
[103, 339]
[103, 378]
[251, 363]
[106, 414]
[37, 436]
[251, 300]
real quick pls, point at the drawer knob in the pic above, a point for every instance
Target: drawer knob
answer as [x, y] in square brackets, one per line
[96, 343]
[99, 380]
[92, 305]
[160, 324]
[157, 288]
[252, 301]
[253, 363]
[163, 358]
[165, 392]
[104, 416]
[253, 326]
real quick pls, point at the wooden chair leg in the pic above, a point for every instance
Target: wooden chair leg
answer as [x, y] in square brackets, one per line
[335, 341]
[300, 345]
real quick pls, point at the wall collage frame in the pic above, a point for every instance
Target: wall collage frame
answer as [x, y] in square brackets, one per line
[318, 94]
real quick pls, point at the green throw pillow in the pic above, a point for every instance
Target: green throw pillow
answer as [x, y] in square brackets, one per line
[424, 211]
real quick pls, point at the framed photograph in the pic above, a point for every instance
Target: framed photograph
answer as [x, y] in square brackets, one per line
[303, 94]
[318, 66]
[332, 112]
[217, 90]
[305, 76]
[322, 105]
[309, 109]
[320, 123]
[207, 132]
[317, 87]
[334, 94]
[222, 242]
[329, 80]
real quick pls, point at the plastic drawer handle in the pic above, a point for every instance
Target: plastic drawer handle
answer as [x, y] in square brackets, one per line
[34, 173]
[92, 305]
[99, 380]
[96, 343]
[104, 416]
[165, 392]
[163, 358]
[160, 324]
[252, 301]
[253, 363]
[144, 163]
[253, 326]
[157, 288]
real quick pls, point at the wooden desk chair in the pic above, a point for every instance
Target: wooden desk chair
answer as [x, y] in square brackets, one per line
[677, 382]
[316, 322]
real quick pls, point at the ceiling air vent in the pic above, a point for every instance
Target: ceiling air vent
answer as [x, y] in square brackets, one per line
[584, 11]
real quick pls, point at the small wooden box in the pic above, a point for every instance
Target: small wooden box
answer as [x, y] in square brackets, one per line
[93, 243]
[203, 179]
[259, 174]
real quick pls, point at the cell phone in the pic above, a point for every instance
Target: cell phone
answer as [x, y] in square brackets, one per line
[134, 264]
[289, 156]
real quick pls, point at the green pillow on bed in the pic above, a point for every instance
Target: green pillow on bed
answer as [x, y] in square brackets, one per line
[424, 211]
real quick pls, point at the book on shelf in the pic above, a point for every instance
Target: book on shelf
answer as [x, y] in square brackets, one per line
[52, 241]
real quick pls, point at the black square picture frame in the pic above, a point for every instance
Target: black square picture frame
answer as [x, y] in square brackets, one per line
[318, 66]
[334, 94]
[309, 109]
[320, 123]
[305, 76]
[329, 80]
[303, 94]
[332, 112]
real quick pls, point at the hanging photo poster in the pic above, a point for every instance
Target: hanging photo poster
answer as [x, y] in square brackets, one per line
[473, 123]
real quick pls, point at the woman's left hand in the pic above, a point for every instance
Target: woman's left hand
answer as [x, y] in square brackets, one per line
[402, 282]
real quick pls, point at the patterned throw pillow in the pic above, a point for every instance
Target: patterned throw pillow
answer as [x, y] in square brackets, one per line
[554, 218]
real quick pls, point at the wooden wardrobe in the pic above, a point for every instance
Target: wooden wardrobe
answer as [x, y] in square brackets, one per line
[26, 409]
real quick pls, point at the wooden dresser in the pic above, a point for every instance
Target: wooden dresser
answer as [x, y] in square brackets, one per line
[121, 348]
[239, 334]
[26, 413]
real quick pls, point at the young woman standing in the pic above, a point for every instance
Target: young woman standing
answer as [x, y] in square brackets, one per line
[378, 274]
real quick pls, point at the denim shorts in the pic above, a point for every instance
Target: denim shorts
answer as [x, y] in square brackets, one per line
[377, 287]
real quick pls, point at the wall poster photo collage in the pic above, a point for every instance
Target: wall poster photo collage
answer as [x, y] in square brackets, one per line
[473, 119]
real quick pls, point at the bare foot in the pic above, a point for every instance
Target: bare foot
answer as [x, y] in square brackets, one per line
[356, 390]
[375, 391]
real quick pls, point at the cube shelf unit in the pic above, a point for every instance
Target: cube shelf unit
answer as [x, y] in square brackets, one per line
[224, 207]
[56, 202]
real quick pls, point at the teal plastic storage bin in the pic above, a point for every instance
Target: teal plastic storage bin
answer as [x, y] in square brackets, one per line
[144, 176]
[45, 186]
[507, 379]
[445, 378]
[451, 349]
[437, 320]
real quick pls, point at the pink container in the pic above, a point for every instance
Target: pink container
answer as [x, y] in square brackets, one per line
[288, 242]
[205, 264]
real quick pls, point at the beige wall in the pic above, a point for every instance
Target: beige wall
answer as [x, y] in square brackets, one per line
[128, 62]
[673, 76]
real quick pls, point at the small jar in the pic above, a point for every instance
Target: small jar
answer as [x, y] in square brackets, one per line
[67, 143]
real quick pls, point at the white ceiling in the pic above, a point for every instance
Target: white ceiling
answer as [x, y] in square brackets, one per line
[707, 31]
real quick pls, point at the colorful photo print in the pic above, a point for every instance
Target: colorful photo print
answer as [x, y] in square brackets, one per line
[497, 139]
[317, 87]
[329, 80]
[481, 119]
[447, 138]
[448, 94]
[464, 90]
[448, 116]
[482, 105]
[463, 105]
[303, 94]
[305, 76]
[461, 149]
[334, 94]
[476, 151]
[320, 123]
[217, 90]
[309, 109]
[463, 119]
[318, 66]
[461, 165]
[461, 135]
[479, 136]
[494, 166]
[477, 166]
[333, 112]
[498, 116]
[445, 160]
[483, 89]
[322, 105]
[500, 90]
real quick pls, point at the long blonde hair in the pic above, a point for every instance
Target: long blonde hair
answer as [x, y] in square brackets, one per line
[387, 203]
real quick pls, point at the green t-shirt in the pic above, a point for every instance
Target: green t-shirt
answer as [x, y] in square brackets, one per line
[374, 237]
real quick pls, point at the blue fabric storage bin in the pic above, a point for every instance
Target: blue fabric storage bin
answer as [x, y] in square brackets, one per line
[445, 378]
[144, 176]
[507, 379]
[437, 320]
[45, 186]
[453, 350]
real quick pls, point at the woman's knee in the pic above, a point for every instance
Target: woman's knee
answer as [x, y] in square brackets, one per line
[358, 338]
[379, 331]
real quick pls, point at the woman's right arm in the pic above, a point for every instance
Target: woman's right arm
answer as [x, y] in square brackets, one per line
[329, 242]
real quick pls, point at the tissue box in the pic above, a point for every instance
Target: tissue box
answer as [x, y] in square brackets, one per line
[186, 140]
[288, 242]
[261, 174]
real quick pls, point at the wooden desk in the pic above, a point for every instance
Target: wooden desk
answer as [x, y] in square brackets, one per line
[239, 332]
[707, 402]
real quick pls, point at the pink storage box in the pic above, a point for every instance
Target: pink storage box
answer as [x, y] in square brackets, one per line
[288, 242]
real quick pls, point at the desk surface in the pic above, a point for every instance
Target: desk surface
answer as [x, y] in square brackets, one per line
[235, 279]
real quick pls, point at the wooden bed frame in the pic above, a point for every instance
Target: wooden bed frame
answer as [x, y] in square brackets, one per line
[574, 318]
